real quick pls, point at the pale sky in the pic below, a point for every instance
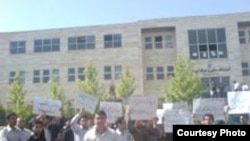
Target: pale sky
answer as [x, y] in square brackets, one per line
[26, 15]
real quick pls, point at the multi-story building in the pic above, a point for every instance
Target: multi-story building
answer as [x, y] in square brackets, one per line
[218, 44]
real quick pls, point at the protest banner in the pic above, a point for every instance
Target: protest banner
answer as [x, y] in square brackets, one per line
[113, 110]
[239, 102]
[86, 101]
[142, 108]
[42, 105]
[214, 106]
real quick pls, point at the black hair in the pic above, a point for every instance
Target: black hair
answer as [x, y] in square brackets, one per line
[8, 116]
[208, 115]
[101, 113]
[219, 122]
[36, 122]
[119, 120]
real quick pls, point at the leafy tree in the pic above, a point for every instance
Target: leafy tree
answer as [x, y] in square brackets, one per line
[16, 96]
[90, 85]
[56, 93]
[185, 85]
[126, 86]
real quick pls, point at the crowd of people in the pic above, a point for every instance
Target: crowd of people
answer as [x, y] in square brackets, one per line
[83, 128]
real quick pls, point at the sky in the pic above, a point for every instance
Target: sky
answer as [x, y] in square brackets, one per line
[27, 15]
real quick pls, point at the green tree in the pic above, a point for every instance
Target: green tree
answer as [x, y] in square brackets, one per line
[126, 87]
[185, 85]
[56, 93]
[16, 97]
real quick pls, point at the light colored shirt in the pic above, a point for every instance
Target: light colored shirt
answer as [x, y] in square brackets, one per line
[11, 134]
[108, 135]
[26, 133]
[78, 130]
[125, 136]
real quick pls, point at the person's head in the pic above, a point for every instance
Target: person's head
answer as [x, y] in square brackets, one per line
[208, 119]
[90, 122]
[11, 119]
[244, 119]
[139, 123]
[155, 120]
[121, 123]
[37, 127]
[20, 122]
[67, 122]
[47, 120]
[84, 121]
[100, 119]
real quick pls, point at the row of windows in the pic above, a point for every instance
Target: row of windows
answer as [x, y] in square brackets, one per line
[158, 42]
[207, 43]
[43, 76]
[160, 71]
[74, 43]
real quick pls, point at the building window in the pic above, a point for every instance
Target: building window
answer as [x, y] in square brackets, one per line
[47, 45]
[245, 68]
[242, 37]
[113, 41]
[149, 73]
[81, 42]
[21, 76]
[118, 72]
[36, 76]
[158, 42]
[55, 72]
[148, 43]
[159, 73]
[17, 47]
[71, 74]
[81, 74]
[107, 73]
[46, 76]
[207, 43]
[169, 41]
[170, 71]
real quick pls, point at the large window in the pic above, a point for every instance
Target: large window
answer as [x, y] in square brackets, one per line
[159, 41]
[47, 45]
[149, 73]
[43, 76]
[114, 72]
[21, 74]
[17, 47]
[113, 41]
[81, 42]
[160, 73]
[75, 73]
[245, 68]
[207, 43]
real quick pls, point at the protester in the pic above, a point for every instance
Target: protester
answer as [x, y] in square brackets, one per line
[37, 128]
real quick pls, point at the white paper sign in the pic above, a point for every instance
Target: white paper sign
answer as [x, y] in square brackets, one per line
[175, 117]
[142, 108]
[239, 102]
[86, 101]
[214, 106]
[159, 114]
[50, 107]
[177, 105]
[113, 110]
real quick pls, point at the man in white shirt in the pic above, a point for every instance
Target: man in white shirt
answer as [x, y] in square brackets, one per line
[100, 132]
[122, 133]
[10, 132]
[24, 131]
[79, 130]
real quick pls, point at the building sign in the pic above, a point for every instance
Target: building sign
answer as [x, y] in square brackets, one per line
[211, 69]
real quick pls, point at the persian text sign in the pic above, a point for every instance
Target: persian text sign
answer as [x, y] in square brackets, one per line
[214, 106]
[86, 101]
[113, 110]
[50, 107]
[239, 102]
[142, 108]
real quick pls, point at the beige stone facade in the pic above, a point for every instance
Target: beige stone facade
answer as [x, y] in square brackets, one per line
[149, 48]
